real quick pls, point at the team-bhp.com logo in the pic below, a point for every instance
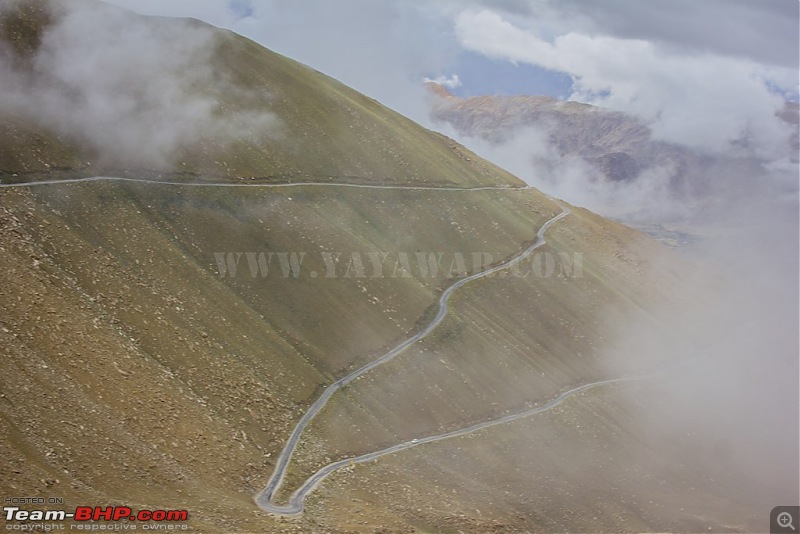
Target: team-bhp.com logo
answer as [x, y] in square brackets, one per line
[87, 518]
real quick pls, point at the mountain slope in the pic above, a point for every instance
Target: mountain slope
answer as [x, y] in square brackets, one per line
[267, 116]
[138, 369]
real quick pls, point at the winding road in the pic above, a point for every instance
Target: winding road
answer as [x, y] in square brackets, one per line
[297, 499]
[265, 498]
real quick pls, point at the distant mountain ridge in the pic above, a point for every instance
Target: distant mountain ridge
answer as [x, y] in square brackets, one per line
[617, 146]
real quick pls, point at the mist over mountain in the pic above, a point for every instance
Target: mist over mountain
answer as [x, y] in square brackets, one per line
[237, 287]
[610, 160]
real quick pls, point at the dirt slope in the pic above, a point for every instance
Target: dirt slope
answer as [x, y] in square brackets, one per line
[134, 371]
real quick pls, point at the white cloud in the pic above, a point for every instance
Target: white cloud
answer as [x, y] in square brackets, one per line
[710, 102]
[381, 48]
[452, 82]
[701, 95]
[765, 31]
[104, 77]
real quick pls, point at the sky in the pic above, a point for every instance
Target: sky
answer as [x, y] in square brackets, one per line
[700, 73]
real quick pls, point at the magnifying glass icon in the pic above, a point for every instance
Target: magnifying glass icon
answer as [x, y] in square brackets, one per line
[785, 520]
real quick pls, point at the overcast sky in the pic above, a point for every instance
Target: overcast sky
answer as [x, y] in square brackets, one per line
[703, 73]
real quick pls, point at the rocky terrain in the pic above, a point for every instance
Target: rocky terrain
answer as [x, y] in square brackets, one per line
[617, 147]
[133, 371]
